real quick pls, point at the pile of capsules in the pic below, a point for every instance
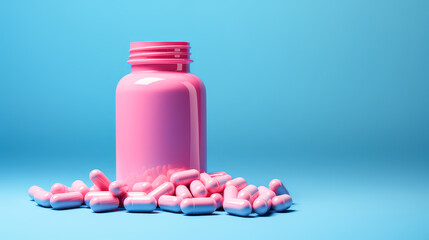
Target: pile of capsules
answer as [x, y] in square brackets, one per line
[189, 192]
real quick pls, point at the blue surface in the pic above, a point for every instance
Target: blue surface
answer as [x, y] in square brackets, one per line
[329, 96]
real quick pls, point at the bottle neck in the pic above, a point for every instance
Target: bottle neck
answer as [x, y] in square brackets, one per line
[161, 67]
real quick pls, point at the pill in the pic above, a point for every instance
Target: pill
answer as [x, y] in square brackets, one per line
[91, 195]
[142, 187]
[166, 188]
[239, 207]
[197, 189]
[158, 181]
[215, 184]
[215, 174]
[129, 194]
[183, 192]
[43, 198]
[99, 179]
[222, 180]
[262, 204]
[94, 188]
[60, 188]
[230, 192]
[118, 188]
[281, 202]
[32, 190]
[79, 186]
[239, 183]
[66, 200]
[264, 190]
[170, 203]
[195, 206]
[218, 198]
[104, 204]
[140, 203]
[250, 193]
[278, 187]
[184, 177]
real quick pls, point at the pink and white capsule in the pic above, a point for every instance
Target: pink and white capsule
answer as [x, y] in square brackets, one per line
[218, 198]
[94, 188]
[230, 192]
[183, 192]
[142, 187]
[264, 190]
[262, 204]
[197, 189]
[43, 198]
[104, 204]
[60, 188]
[239, 183]
[278, 187]
[92, 195]
[140, 203]
[250, 193]
[66, 200]
[79, 186]
[196, 206]
[239, 207]
[32, 190]
[281, 202]
[158, 181]
[99, 179]
[184, 177]
[166, 188]
[170, 203]
[118, 188]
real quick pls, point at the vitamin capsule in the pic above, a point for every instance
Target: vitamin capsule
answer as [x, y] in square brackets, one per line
[158, 181]
[99, 179]
[166, 188]
[264, 190]
[91, 195]
[184, 177]
[222, 180]
[66, 200]
[239, 207]
[142, 187]
[197, 189]
[250, 193]
[281, 202]
[60, 188]
[94, 188]
[218, 198]
[33, 190]
[140, 203]
[195, 206]
[43, 198]
[278, 187]
[79, 186]
[104, 204]
[183, 192]
[213, 185]
[170, 203]
[118, 188]
[230, 192]
[262, 204]
[239, 183]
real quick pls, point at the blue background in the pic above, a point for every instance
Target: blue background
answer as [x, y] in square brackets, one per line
[329, 96]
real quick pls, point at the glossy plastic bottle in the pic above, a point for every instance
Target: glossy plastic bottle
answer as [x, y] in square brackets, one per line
[160, 114]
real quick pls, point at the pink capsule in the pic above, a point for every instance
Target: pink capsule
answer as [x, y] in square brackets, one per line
[92, 195]
[278, 187]
[230, 192]
[43, 198]
[99, 179]
[239, 183]
[130, 194]
[218, 198]
[185, 177]
[142, 187]
[239, 207]
[215, 174]
[264, 190]
[104, 204]
[215, 184]
[170, 203]
[197, 189]
[183, 192]
[94, 188]
[140, 203]
[166, 188]
[222, 180]
[66, 200]
[281, 202]
[33, 190]
[118, 188]
[158, 181]
[262, 204]
[195, 206]
[79, 186]
[60, 188]
[250, 193]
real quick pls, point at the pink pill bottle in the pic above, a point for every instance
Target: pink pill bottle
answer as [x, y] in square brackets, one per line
[160, 114]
